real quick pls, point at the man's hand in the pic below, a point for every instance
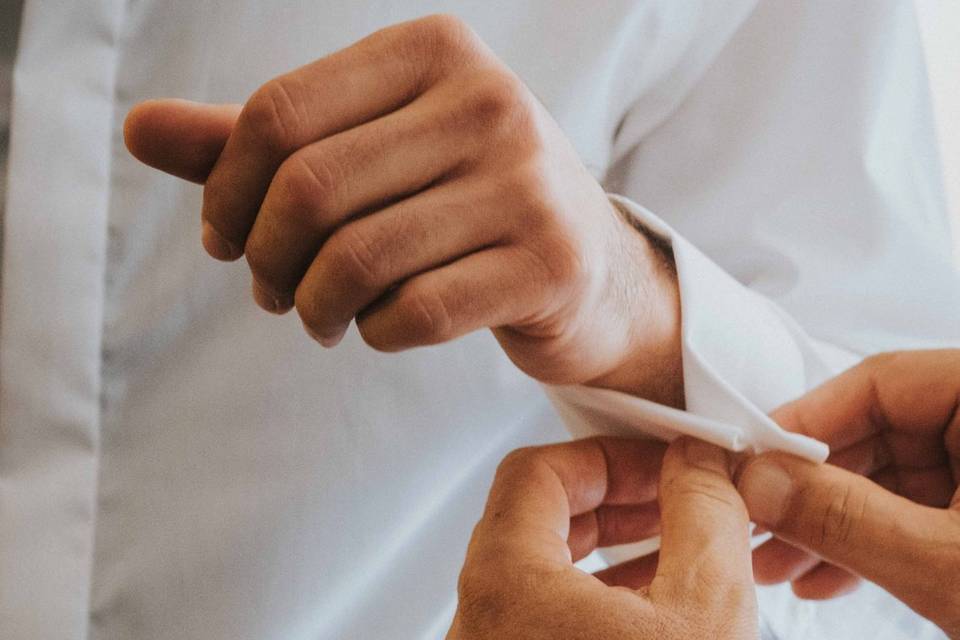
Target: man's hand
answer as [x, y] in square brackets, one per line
[895, 419]
[413, 183]
[551, 505]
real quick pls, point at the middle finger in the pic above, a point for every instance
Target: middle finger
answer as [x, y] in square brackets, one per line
[327, 183]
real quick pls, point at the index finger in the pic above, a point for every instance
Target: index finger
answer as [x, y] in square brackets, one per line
[371, 78]
[909, 397]
[537, 490]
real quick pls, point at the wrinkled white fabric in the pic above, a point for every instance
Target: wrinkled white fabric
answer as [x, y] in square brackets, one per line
[625, 415]
[175, 463]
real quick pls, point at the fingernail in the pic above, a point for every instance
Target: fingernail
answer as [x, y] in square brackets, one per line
[328, 341]
[269, 301]
[766, 488]
[218, 246]
[334, 339]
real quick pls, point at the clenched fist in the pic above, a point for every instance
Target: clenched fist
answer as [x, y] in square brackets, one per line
[413, 183]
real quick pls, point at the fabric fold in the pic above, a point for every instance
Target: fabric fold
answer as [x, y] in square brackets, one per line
[733, 342]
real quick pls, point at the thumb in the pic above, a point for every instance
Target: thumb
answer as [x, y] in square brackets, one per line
[179, 137]
[854, 523]
[705, 547]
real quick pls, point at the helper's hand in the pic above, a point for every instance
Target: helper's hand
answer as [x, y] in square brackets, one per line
[550, 505]
[895, 419]
[412, 182]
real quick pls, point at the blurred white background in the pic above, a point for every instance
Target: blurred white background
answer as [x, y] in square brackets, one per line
[940, 23]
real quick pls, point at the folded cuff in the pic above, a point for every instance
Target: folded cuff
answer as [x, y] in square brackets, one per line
[742, 357]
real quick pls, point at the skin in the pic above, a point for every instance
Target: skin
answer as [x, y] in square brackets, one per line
[894, 419]
[552, 505]
[412, 183]
[891, 516]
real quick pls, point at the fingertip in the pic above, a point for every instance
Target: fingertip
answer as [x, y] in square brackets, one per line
[706, 456]
[180, 137]
[269, 301]
[332, 339]
[217, 246]
[134, 126]
[336, 337]
[765, 486]
[144, 118]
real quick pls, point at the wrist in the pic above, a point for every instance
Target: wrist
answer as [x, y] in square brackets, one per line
[651, 366]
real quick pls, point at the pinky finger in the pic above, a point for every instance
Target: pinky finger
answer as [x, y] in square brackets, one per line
[477, 291]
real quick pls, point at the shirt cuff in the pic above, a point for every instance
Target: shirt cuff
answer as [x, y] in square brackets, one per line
[742, 357]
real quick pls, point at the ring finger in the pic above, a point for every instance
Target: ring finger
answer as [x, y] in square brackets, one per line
[327, 183]
[364, 259]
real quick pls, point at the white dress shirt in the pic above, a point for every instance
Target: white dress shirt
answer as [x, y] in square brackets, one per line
[175, 463]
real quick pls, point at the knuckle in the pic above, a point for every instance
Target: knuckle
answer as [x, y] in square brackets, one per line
[517, 460]
[880, 366]
[556, 272]
[881, 360]
[880, 373]
[498, 106]
[430, 48]
[561, 262]
[441, 33]
[272, 116]
[311, 190]
[840, 510]
[705, 491]
[427, 316]
[566, 264]
[532, 193]
[520, 470]
[358, 256]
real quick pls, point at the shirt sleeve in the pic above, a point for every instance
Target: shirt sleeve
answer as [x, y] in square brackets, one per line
[799, 187]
